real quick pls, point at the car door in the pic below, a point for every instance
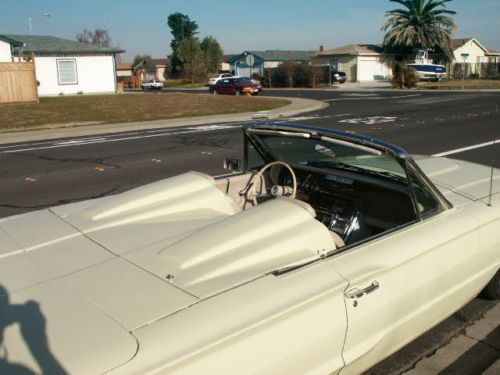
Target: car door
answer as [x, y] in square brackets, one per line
[220, 86]
[230, 87]
[405, 282]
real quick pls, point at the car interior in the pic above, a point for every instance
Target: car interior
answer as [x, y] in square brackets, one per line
[355, 203]
[352, 207]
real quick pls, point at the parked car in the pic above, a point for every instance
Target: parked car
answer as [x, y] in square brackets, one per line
[236, 86]
[152, 85]
[339, 77]
[215, 78]
[321, 251]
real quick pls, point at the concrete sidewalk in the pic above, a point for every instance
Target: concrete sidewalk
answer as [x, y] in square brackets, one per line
[296, 107]
[475, 351]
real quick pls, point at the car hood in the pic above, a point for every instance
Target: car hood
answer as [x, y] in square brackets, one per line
[93, 272]
[457, 177]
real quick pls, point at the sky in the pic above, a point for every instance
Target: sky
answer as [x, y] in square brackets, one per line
[140, 26]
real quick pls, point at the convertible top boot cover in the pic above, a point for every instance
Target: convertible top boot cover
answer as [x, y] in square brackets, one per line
[239, 248]
[187, 229]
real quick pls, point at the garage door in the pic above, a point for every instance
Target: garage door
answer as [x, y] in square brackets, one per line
[372, 70]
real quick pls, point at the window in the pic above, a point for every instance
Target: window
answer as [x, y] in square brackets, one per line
[66, 71]
[426, 202]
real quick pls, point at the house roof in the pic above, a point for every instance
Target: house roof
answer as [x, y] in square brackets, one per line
[226, 58]
[353, 49]
[457, 43]
[277, 55]
[160, 61]
[52, 45]
[123, 66]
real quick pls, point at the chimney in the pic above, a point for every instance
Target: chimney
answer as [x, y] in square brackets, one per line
[321, 48]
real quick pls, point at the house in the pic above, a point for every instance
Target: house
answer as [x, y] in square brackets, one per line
[161, 67]
[63, 66]
[124, 70]
[249, 62]
[225, 66]
[480, 60]
[360, 62]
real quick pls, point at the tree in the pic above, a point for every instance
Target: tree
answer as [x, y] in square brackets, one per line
[213, 53]
[98, 36]
[192, 59]
[181, 28]
[420, 25]
[144, 62]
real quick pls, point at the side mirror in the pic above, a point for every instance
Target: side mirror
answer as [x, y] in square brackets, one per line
[232, 164]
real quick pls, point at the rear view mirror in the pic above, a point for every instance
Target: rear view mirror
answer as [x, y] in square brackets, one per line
[232, 164]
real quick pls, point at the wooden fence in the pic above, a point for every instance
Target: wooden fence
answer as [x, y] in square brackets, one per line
[18, 83]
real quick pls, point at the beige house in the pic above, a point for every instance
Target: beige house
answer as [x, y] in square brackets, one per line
[161, 67]
[360, 62]
[479, 59]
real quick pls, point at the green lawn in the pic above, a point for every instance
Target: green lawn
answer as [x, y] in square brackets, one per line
[107, 109]
[456, 84]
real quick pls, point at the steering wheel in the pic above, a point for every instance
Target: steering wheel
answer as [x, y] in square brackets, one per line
[249, 190]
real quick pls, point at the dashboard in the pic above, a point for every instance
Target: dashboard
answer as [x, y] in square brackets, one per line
[333, 197]
[353, 206]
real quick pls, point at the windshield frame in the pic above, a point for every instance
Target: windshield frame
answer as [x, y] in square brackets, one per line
[378, 146]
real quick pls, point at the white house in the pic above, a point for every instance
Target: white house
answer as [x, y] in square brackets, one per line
[63, 66]
[479, 58]
[360, 62]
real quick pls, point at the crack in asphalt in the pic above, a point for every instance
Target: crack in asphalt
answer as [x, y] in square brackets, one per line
[190, 140]
[97, 161]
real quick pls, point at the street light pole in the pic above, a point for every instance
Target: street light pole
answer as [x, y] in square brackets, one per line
[464, 56]
[30, 21]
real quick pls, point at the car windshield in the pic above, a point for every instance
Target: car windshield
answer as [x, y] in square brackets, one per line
[243, 80]
[329, 153]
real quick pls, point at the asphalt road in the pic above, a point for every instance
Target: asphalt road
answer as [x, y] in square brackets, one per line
[43, 174]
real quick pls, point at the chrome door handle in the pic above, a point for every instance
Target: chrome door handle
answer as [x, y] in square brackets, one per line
[358, 293]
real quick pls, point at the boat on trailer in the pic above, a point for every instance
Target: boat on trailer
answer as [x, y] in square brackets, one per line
[426, 69]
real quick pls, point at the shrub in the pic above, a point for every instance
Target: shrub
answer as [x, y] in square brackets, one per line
[302, 75]
[404, 77]
[398, 79]
[410, 78]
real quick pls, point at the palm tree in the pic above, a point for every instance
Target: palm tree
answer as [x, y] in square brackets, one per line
[422, 24]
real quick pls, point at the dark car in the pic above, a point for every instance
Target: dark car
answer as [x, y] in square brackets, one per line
[339, 77]
[236, 86]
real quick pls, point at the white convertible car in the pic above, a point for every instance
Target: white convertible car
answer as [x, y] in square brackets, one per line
[324, 255]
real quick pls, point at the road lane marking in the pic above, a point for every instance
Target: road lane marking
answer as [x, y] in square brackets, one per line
[87, 141]
[468, 148]
[373, 98]
[370, 120]
[405, 96]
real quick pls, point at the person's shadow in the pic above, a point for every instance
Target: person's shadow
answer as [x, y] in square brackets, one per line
[32, 326]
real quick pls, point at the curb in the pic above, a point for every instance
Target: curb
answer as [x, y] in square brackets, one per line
[297, 106]
[474, 351]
